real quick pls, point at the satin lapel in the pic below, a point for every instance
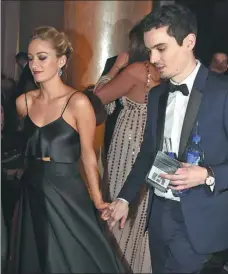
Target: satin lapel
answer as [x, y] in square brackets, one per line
[161, 120]
[189, 119]
[156, 110]
[192, 109]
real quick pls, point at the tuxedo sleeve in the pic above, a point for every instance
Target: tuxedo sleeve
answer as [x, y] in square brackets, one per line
[109, 64]
[141, 167]
[221, 170]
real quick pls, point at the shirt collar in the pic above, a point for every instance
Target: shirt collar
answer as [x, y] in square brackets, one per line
[189, 81]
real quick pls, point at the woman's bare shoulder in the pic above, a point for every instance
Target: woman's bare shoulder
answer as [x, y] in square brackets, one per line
[23, 101]
[79, 100]
[28, 95]
[137, 69]
[136, 66]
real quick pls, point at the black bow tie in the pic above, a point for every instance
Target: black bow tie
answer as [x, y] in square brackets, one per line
[182, 88]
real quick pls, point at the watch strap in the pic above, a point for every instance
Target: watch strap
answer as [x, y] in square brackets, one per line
[210, 171]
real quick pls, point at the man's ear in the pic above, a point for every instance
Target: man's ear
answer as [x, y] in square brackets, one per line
[190, 41]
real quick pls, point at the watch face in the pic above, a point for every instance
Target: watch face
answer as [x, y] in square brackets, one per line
[210, 181]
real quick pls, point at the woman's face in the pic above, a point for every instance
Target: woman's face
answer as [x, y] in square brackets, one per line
[43, 62]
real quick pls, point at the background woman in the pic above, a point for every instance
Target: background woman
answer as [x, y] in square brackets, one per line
[130, 79]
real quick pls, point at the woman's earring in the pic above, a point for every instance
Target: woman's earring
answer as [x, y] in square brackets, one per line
[60, 72]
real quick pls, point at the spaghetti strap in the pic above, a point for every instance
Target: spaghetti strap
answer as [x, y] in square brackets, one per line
[67, 102]
[26, 103]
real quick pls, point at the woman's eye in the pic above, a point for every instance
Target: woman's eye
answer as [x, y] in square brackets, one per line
[41, 58]
[29, 59]
[161, 49]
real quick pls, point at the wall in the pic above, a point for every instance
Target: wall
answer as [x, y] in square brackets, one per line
[9, 35]
[38, 13]
[212, 27]
[18, 19]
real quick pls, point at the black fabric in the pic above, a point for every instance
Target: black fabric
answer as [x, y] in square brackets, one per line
[189, 121]
[182, 88]
[161, 120]
[55, 226]
[216, 263]
[57, 140]
[56, 229]
[109, 64]
[4, 243]
[97, 105]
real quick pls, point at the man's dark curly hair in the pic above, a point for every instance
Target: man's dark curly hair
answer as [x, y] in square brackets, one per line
[179, 20]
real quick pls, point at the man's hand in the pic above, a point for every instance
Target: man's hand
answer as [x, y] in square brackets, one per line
[186, 177]
[117, 211]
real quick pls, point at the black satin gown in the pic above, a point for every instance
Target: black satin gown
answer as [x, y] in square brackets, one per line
[56, 229]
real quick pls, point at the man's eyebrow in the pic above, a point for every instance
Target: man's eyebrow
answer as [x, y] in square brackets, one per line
[157, 45]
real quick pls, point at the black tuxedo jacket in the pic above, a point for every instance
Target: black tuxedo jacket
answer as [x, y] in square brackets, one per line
[205, 212]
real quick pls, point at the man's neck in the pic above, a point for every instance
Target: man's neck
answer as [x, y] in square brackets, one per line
[186, 72]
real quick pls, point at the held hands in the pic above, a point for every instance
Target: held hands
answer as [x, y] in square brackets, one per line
[101, 206]
[186, 177]
[117, 211]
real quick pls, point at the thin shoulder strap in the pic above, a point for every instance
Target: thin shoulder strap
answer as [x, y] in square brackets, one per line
[67, 102]
[26, 103]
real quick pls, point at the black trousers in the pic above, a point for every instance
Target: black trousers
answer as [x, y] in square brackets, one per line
[170, 247]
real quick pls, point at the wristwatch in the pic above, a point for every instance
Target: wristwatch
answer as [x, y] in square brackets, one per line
[210, 180]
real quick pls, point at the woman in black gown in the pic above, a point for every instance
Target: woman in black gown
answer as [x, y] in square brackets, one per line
[55, 225]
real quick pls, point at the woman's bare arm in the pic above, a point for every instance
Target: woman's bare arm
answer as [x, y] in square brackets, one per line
[86, 125]
[122, 83]
[21, 105]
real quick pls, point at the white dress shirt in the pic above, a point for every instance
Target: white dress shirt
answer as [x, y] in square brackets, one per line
[175, 112]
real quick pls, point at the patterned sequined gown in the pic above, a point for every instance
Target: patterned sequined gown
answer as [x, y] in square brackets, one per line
[126, 141]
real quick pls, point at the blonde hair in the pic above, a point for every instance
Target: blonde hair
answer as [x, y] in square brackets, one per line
[59, 40]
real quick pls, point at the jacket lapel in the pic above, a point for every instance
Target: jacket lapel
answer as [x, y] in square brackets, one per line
[156, 110]
[161, 118]
[192, 110]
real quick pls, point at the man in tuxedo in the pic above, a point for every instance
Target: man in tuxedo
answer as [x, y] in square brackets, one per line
[111, 120]
[219, 62]
[183, 231]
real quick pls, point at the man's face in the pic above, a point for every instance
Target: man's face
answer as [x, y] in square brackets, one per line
[220, 62]
[166, 54]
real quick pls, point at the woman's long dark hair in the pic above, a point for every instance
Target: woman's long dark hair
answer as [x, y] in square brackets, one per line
[137, 50]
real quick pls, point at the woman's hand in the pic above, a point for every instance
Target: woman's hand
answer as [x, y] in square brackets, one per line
[101, 206]
[122, 60]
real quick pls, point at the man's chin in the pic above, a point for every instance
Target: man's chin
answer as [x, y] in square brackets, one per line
[164, 76]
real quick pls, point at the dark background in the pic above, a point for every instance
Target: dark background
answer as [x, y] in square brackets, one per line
[212, 26]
